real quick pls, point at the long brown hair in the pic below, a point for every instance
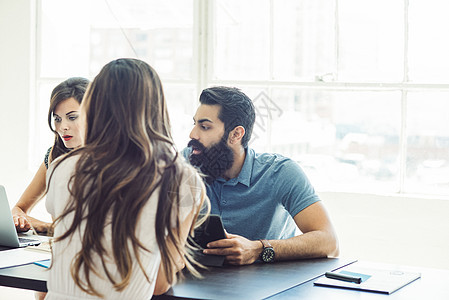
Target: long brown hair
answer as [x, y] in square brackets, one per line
[75, 88]
[128, 154]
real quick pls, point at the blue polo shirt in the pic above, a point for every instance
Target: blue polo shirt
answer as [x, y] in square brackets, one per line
[261, 202]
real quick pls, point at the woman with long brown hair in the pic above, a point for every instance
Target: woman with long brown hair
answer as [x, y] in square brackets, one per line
[124, 203]
[63, 121]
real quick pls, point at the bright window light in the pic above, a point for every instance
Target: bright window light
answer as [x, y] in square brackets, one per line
[355, 91]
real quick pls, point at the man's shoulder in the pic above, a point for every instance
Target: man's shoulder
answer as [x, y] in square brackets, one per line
[272, 159]
[274, 163]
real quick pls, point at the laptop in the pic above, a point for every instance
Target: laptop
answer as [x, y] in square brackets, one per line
[8, 233]
[211, 230]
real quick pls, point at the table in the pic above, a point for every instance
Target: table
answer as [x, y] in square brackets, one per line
[433, 284]
[30, 277]
[280, 280]
[255, 281]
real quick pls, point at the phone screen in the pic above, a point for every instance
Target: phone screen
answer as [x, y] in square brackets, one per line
[211, 230]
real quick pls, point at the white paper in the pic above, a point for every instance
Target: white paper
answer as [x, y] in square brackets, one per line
[381, 280]
[20, 256]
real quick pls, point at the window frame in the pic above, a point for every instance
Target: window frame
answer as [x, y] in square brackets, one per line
[203, 54]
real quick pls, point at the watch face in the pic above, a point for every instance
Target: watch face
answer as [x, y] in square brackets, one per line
[268, 255]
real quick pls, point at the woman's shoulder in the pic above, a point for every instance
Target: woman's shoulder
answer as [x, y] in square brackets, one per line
[188, 172]
[191, 182]
[63, 164]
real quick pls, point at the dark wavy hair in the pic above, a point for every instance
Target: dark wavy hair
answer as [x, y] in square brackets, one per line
[75, 88]
[236, 109]
[128, 155]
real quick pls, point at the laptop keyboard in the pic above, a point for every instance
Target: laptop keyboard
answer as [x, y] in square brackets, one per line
[25, 240]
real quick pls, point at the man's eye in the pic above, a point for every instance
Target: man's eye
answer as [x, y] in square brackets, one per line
[204, 127]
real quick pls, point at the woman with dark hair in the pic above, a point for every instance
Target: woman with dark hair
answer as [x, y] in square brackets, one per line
[64, 108]
[124, 203]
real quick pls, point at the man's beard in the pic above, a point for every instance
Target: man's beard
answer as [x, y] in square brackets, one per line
[213, 161]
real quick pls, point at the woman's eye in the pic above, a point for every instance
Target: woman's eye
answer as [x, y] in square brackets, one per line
[73, 118]
[57, 119]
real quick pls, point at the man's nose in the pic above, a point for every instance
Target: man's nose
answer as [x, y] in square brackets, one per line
[193, 134]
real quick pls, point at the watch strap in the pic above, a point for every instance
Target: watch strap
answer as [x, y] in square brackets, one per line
[266, 244]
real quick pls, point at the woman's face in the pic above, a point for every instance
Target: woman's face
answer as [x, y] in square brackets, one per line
[67, 123]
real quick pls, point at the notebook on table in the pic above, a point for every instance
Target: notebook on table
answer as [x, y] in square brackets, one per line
[8, 233]
[373, 278]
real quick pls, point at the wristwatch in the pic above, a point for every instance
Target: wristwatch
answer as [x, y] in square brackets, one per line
[267, 254]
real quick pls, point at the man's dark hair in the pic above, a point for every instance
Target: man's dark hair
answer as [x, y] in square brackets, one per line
[236, 109]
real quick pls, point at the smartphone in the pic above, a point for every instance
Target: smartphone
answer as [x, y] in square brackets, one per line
[211, 230]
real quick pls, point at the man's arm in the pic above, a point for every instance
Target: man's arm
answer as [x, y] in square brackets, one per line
[318, 240]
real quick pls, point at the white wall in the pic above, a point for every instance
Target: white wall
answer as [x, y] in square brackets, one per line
[392, 229]
[17, 32]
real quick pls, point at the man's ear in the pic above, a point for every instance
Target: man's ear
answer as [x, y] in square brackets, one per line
[236, 135]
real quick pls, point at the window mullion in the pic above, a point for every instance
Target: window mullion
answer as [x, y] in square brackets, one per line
[336, 43]
[202, 35]
[403, 142]
[403, 133]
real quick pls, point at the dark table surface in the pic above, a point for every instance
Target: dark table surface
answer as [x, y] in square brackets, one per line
[280, 280]
[255, 281]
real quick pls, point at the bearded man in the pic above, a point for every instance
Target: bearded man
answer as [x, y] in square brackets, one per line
[268, 206]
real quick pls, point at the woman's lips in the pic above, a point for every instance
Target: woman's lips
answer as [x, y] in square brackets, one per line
[67, 137]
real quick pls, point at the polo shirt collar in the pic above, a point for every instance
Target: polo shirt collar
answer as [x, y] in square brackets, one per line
[246, 172]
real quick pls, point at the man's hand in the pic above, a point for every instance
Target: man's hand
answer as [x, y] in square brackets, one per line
[237, 249]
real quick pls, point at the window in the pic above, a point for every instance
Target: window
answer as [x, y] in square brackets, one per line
[356, 92]
[79, 38]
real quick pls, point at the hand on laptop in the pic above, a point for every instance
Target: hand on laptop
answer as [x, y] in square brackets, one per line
[20, 220]
[237, 249]
[23, 222]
